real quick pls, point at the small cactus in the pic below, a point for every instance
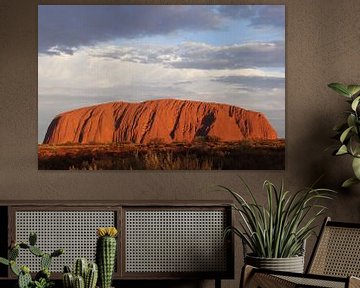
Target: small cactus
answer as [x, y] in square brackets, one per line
[79, 282]
[24, 278]
[84, 274]
[68, 280]
[67, 269]
[45, 261]
[91, 276]
[80, 268]
[106, 254]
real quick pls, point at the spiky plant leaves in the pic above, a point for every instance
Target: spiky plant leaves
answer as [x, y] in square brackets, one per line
[280, 228]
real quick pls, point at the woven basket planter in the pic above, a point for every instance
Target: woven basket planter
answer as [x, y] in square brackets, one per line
[291, 264]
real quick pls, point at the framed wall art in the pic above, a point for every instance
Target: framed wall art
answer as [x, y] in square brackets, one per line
[165, 87]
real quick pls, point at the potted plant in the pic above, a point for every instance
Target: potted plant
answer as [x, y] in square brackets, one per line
[348, 132]
[42, 278]
[84, 274]
[276, 233]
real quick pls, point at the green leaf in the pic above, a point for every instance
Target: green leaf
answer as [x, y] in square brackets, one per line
[345, 134]
[349, 182]
[356, 167]
[353, 89]
[340, 88]
[342, 150]
[4, 261]
[355, 103]
[354, 145]
[351, 120]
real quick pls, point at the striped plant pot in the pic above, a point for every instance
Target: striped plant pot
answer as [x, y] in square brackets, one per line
[291, 264]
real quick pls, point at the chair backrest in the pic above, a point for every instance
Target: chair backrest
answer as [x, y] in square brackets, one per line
[337, 251]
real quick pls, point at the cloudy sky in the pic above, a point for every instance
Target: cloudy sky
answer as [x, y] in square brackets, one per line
[232, 54]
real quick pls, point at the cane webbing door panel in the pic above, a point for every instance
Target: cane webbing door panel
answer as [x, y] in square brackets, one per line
[154, 242]
[73, 230]
[166, 241]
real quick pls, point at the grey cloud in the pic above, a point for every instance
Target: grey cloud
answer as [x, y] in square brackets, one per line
[251, 82]
[201, 56]
[259, 15]
[238, 11]
[249, 55]
[71, 26]
[273, 15]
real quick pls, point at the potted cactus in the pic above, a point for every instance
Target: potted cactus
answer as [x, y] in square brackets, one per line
[42, 278]
[85, 275]
[106, 254]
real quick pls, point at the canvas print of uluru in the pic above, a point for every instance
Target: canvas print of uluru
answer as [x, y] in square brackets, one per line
[161, 87]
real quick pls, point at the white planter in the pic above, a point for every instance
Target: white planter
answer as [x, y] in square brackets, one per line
[291, 264]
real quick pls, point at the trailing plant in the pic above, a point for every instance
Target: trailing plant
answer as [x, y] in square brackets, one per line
[85, 275]
[279, 229]
[42, 278]
[348, 132]
[106, 254]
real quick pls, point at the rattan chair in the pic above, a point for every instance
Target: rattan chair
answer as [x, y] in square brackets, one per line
[334, 263]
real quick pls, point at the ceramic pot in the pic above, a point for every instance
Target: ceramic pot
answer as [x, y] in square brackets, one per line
[291, 264]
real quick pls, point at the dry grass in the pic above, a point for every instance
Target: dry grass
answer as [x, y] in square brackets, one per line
[198, 155]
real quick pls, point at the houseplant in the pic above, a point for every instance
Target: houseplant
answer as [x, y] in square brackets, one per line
[106, 254]
[348, 132]
[84, 274]
[42, 278]
[276, 233]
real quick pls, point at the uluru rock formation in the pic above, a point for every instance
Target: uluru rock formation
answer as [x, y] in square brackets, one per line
[167, 120]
